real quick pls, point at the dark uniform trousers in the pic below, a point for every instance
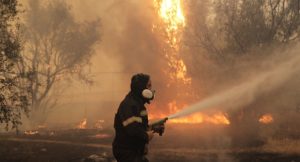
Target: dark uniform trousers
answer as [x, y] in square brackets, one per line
[129, 156]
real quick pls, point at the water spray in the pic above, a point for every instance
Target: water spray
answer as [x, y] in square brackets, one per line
[246, 92]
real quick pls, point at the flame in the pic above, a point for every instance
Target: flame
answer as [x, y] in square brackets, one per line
[170, 11]
[266, 119]
[31, 132]
[82, 124]
[172, 24]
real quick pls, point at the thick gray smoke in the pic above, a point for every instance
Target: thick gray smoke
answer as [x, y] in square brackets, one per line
[245, 93]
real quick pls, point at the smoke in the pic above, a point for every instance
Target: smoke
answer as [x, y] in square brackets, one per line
[129, 38]
[129, 45]
[255, 86]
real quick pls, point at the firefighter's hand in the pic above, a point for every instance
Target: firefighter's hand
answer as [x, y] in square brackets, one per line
[160, 129]
[150, 135]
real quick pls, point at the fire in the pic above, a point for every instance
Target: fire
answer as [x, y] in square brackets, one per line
[266, 119]
[82, 124]
[171, 13]
[172, 24]
[31, 132]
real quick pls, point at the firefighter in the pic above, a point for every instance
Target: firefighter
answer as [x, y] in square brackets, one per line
[132, 133]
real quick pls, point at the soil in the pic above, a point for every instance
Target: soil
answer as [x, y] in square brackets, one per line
[77, 145]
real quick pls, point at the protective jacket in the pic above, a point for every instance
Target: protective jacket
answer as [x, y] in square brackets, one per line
[131, 124]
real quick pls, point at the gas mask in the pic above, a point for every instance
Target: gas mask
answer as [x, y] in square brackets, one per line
[148, 94]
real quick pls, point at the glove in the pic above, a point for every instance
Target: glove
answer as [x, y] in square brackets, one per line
[159, 129]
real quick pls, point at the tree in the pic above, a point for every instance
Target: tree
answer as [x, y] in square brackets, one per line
[238, 26]
[56, 48]
[233, 30]
[13, 100]
[221, 34]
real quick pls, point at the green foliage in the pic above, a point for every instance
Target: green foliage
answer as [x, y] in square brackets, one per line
[13, 100]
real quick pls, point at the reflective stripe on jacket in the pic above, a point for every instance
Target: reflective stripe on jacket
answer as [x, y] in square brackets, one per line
[131, 124]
